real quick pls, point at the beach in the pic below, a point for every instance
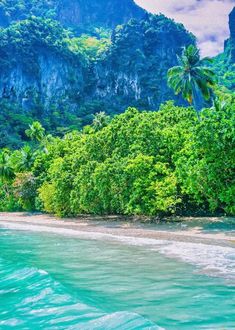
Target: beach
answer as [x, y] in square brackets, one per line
[114, 228]
[116, 272]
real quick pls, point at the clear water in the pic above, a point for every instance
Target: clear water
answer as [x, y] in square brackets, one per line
[49, 281]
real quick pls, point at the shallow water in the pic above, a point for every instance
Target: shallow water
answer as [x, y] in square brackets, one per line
[49, 281]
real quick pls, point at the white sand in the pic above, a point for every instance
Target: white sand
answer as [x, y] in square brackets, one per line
[97, 228]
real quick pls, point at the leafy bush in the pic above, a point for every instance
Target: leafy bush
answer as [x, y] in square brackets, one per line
[145, 163]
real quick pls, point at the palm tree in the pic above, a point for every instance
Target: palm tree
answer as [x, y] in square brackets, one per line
[192, 77]
[24, 159]
[35, 131]
[6, 170]
[100, 120]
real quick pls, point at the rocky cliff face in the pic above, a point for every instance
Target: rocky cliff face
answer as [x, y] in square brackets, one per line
[73, 13]
[231, 42]
[51, 84]
[135, 69]
[224, 63]
[46, 75]
[36, 65]
[132, 72]
[101, 13]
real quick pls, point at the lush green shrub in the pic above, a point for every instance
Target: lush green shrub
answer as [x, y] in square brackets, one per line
[25, 190]
[147, 163]
[8, 201]
[206, 167]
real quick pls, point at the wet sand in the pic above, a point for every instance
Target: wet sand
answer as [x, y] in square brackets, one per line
[113, 227]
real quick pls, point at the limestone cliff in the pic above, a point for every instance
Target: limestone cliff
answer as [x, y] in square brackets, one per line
[131, 72]
[135, 69]
[224, 64]
[73, 13]
[46, 74]
[230, 44]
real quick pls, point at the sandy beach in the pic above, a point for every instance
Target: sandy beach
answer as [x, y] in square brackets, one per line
[112, 228]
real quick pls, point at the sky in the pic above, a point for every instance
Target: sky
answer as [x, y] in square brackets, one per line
[207, 19]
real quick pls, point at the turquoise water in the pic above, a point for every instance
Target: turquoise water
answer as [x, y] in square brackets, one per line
[49, 281]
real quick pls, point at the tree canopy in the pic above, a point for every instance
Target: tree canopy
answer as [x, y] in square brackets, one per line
[192, 77]
[138, 163]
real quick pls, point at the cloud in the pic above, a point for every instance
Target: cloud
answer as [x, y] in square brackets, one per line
[207, 19]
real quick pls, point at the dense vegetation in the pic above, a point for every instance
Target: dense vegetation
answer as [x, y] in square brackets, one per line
[30, 41]
[150, 163]
[13, 10]
[25, 39]
[225, 71]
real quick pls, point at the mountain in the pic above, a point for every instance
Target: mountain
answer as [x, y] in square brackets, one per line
[224, 64]
[230, 43]
[73, 13]
[134, 70]
[97, 13]
[62, 77]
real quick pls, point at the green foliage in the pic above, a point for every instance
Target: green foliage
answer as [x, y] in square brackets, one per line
[90, 47]
[8, 202]
[210, 159]
[225, 71]
[25, 38]
[47, 195]
[100, 120]
[21, 9]
[23, 159]
[13, 123]
[36, 131]
[146, 163]
[192, 77]
[25, 190]
[6, 170]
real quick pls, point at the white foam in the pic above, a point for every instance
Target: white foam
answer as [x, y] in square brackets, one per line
[212, 259]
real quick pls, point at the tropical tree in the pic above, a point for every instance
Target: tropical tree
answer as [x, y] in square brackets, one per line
[192, 77]
[25, 190]
[6, 170]
[6, 176]
[23, 159]
[100, 120]
[35, 131]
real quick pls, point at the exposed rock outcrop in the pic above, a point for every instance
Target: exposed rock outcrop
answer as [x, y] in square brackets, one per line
[104, 13]
[132, 72]
[230, 43]
[78, 14]
[46, 74]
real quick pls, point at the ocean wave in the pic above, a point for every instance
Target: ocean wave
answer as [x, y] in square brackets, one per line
[32, 299]
[211, 259]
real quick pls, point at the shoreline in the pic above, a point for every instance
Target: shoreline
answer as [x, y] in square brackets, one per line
[91, 227]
